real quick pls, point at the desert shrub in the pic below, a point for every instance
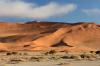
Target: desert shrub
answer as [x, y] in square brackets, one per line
[34, 59]
[71, 57]
[20, 53]
[14, 53]
[63, 63]
[25, 53]
[66, 57]
[46, 53]
[82, 56]
[50, 52]
[91, 51]
[8, 53]
[14, 61]
[97, 52]
[54, 58]
[85, 55]
[11, 53]
[74, 57]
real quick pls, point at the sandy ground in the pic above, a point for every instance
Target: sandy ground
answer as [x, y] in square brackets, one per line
[57, 63]
[39, 59]
[79, 63]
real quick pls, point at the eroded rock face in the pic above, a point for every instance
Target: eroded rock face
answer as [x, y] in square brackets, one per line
[50, 35]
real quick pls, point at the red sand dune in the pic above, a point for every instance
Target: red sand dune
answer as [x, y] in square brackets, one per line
[40, 36]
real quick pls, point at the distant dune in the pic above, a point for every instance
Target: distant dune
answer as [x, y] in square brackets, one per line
[41, 36]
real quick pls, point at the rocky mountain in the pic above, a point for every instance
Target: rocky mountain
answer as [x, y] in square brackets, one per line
[41, 36]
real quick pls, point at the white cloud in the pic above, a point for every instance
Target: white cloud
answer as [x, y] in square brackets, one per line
[92, 12]
[19, 8]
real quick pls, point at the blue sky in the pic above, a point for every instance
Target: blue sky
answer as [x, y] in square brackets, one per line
[50, 10]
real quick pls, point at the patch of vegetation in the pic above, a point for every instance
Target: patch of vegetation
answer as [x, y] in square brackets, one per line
[11, 53]
[97, 52]
[63, 63]
[14, 53]
[34, 59]
[8, 53]
[14, 61]
[71, 57]
[91, 56]
[54, 58]
[51, 52]
[25, 53]
[65, 57]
